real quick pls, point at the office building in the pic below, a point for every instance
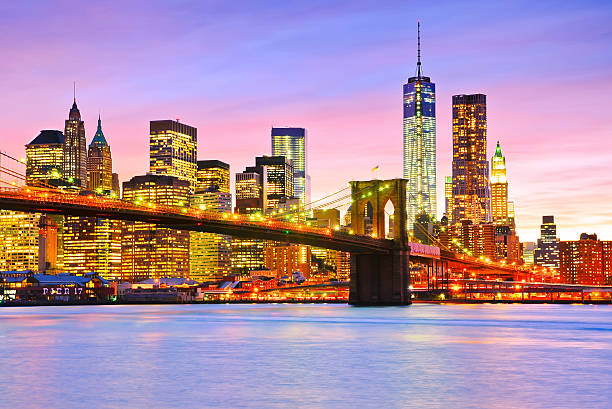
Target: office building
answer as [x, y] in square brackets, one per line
[419, 108]
[547, 252]
[471, 194]
[288, 259]
[173, 150]
[148, 251]
[478, 239]
[209, 253]
[74, 165]
[44, 159]
[100, 163]
[507, 244]
[291, 143]
[584, 261]
[529, 252]
[277, 174]
[212, 176]
[499, 188]
[448, 196]
[18, 241]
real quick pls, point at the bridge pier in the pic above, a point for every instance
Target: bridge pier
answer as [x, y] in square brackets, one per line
[380, 279]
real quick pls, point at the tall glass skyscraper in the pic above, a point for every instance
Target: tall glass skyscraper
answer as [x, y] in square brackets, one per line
[75, 148]
[172, 150]
[291, 143]
[420, 143]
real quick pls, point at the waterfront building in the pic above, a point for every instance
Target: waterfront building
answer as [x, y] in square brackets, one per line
[92, 245]
[18, 241]
[74, 165]
[471, 194]
[343, 266]
[582, 261]
[212, 176]
[499, 188]
[47, 244]
[173, 150]
[288, 259]
[100, 163]
[209, 253]
[44, 158]
[291, 143]
[547, 252]
[148, 251]
[419, 112]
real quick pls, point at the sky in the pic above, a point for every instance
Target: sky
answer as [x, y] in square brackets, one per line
[235, 69]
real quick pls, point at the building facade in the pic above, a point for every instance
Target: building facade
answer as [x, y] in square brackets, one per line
[18, 241]
[499, 188]
[419, 111]
[584, 261]
[75, 149]
[291, 143]
[471, 194]
[173, 150]
[287, 259]
[44, 159]
[100, 163]
[146, 250]
[547, 251]
[212, 176]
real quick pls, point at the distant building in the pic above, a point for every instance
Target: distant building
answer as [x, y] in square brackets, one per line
[173, 149]
[278, 173]
[419, 112]
[209, 253]
[585, 261]
[250, 193]
[448, 196]
[18, 241]
[547, 251]
[212, 176]
[479, 239]
[292, 144]
[288, 259]
[529, 252]
[471, 194]
[148, 251]
[499, 188]
[75, 149]
[100, 163]
[44, 159]
[329, 218]
[507, 244]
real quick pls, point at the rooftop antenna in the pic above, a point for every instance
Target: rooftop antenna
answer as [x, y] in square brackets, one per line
[419, 73]
[74, 90]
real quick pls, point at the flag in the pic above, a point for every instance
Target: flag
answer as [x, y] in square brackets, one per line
[375, 168]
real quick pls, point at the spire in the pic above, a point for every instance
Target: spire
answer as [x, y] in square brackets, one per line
[419, 73]
[99, 139]
[74, 91]
[498, 151]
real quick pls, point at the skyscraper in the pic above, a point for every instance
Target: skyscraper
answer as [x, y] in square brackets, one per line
[547, 252]
[278, 172]
[584, 261]
[148, 251]
[93, 244]
[448, 196]
[209, 253]
[471, 194]
[173, 149]
[420, 142]
[99, 163]
[44, 158]
[18, 241]
[75, 149]
[291, 143]
[499, 188]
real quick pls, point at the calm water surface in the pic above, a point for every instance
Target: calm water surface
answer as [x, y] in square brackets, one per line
[307, 356]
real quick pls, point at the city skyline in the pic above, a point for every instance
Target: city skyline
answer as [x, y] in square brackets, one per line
[545, 160]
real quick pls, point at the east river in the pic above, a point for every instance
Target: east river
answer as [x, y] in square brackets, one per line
[306, 356]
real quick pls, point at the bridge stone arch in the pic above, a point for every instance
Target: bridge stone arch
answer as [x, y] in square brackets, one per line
[378, 193]
[380, 279]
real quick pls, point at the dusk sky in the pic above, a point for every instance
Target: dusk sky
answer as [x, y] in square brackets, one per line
[234, 69]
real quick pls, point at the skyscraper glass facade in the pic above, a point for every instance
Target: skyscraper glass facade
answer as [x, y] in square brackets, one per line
[75, 149]
[291, 143]
[499, 188]
[420, 146]
[547, 252]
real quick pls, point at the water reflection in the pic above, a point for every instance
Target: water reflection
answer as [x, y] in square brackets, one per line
[495, 356]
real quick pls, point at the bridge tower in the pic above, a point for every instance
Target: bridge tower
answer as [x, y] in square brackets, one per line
[378, 278]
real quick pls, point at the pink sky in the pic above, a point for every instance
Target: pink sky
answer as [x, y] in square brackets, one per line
[336, 68]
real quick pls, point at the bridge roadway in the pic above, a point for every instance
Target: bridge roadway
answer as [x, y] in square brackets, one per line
[35, 200]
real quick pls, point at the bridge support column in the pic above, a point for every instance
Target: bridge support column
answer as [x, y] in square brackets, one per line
[380, 279]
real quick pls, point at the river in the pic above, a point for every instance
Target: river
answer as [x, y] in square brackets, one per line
[306, 356]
